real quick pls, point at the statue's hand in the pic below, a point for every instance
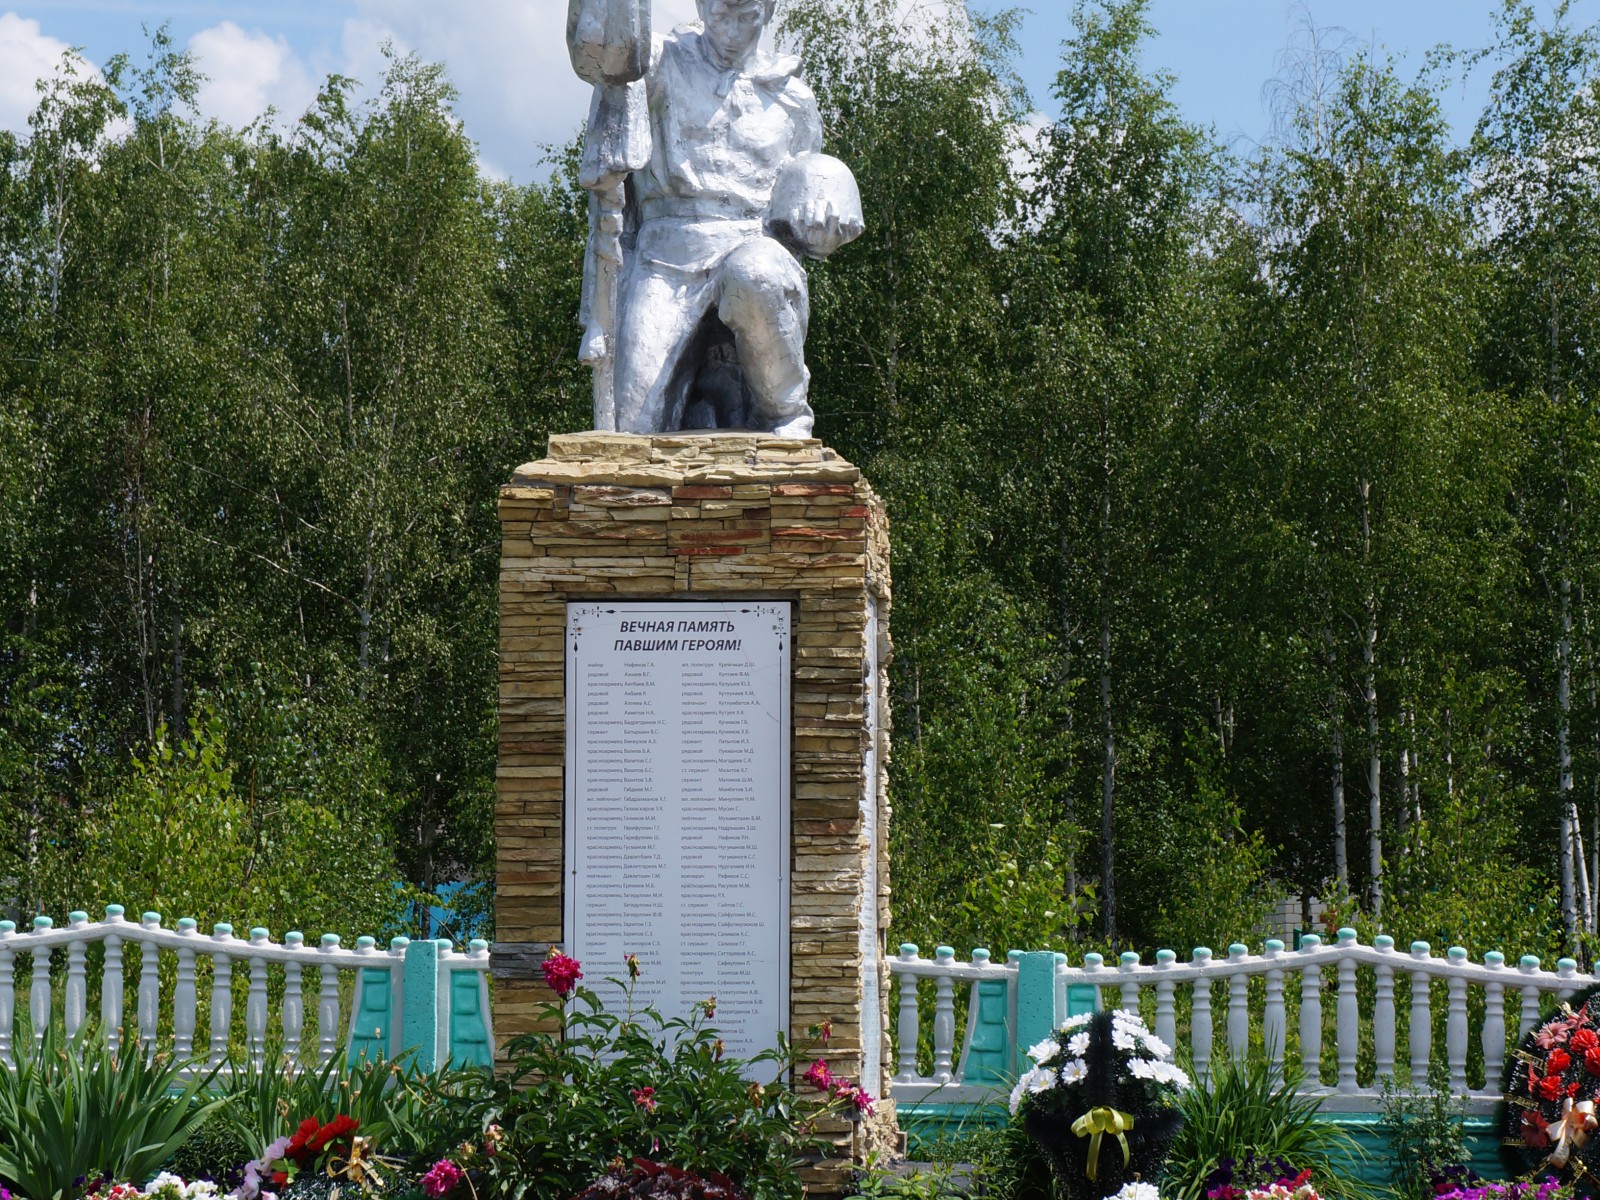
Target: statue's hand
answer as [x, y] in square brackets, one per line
[824, 228]
[816, 207]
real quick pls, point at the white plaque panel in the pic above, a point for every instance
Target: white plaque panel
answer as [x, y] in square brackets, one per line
[677, 806]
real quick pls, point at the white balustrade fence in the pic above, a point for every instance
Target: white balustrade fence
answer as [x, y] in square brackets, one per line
[1324, 1008]
[448, 992]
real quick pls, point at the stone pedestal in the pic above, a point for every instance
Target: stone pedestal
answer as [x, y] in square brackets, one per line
[712, 517]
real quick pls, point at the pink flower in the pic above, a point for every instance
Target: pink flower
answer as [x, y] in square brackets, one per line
[561, 974]
[632, 961]
[819, 1076]
[442, 1178]
[645, 1098]
[856, 1097]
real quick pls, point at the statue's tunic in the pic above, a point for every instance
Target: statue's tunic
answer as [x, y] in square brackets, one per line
[718, 139]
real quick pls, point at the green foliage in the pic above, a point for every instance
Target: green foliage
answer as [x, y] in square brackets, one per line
[216, 1151]
[1423, 1126]
[190, 838]
[1209, 855]
[403, 1109]
[74, 1112]
[1248, 1109]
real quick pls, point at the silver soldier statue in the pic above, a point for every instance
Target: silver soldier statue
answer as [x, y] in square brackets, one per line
[706, 186]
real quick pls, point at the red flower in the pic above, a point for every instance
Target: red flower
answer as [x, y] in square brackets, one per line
[335, 1129]
[561, 974]
[645, 1098]
[1591, 1061]
[1548, 1088]
[1584, 1040]
[819, 1077]
[1533, 1131]
[1557, 1062]
[299, 1151]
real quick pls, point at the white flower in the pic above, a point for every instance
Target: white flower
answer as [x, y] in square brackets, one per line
[1173, 1075]
[1143, 1068]
[1077, 1022]
[1078, 1044]
[1039, 1080]
[1044, 1051]
[1073, 1070]
[1122, 1039]
[1016, 1095]
[1138, 1191]
[1155, 1045]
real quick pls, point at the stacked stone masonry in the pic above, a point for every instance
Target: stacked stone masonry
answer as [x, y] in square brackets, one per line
[704, 516]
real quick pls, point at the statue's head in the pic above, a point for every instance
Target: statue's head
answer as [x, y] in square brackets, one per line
[733, 27]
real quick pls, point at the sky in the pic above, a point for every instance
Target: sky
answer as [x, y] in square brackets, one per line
[518, 95]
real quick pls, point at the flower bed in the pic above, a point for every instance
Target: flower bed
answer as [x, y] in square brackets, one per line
[607, 1102]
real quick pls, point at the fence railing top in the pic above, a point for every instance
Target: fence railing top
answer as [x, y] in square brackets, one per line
[221, 941]
[1313, 953]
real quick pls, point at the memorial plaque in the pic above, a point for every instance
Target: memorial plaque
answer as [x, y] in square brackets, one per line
[677, 806]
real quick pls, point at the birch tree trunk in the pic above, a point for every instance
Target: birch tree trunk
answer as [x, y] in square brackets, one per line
[1369, 659]
[1569, 900]
[1341, 854]
[1108, 775]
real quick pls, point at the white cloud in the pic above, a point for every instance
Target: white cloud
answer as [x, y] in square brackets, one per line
[26, 56]
[507, 58]
[248, 71]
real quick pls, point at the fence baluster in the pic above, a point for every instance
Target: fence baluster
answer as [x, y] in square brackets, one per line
[1238, 1005]
[1166, 1010]
[1528, 964]
[184, 1000]
[1455, 1040]
[944, 1011]
[1274, 1020]
[294, 1004]
[1311, 1014]
[1566, 968]
[908, 1029]
[40, 1001]
[111, 984]
[1128, 961]
[255, 1008]
[328, 1005]
[1420, 1033]
[149, 986]
[1383, 1013]
[221, 996]
[76, 1006]
[8, 995]
[1494, 1022]
[1060, 995]
[1200, 1017]
[1347, 1019]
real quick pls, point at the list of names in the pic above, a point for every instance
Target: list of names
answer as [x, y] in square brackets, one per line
[677, 816]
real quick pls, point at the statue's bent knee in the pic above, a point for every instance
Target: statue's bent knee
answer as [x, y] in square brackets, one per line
[763, 273]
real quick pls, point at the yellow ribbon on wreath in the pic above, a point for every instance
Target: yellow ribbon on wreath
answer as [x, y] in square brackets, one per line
[364, 1167]
[1094, 1125]
[1570, 1133]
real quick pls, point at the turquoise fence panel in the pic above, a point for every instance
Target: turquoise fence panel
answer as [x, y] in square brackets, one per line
[419, 1030]
[1036, 998]
[989, 1052]
[371, 1017]
[470, 1045]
